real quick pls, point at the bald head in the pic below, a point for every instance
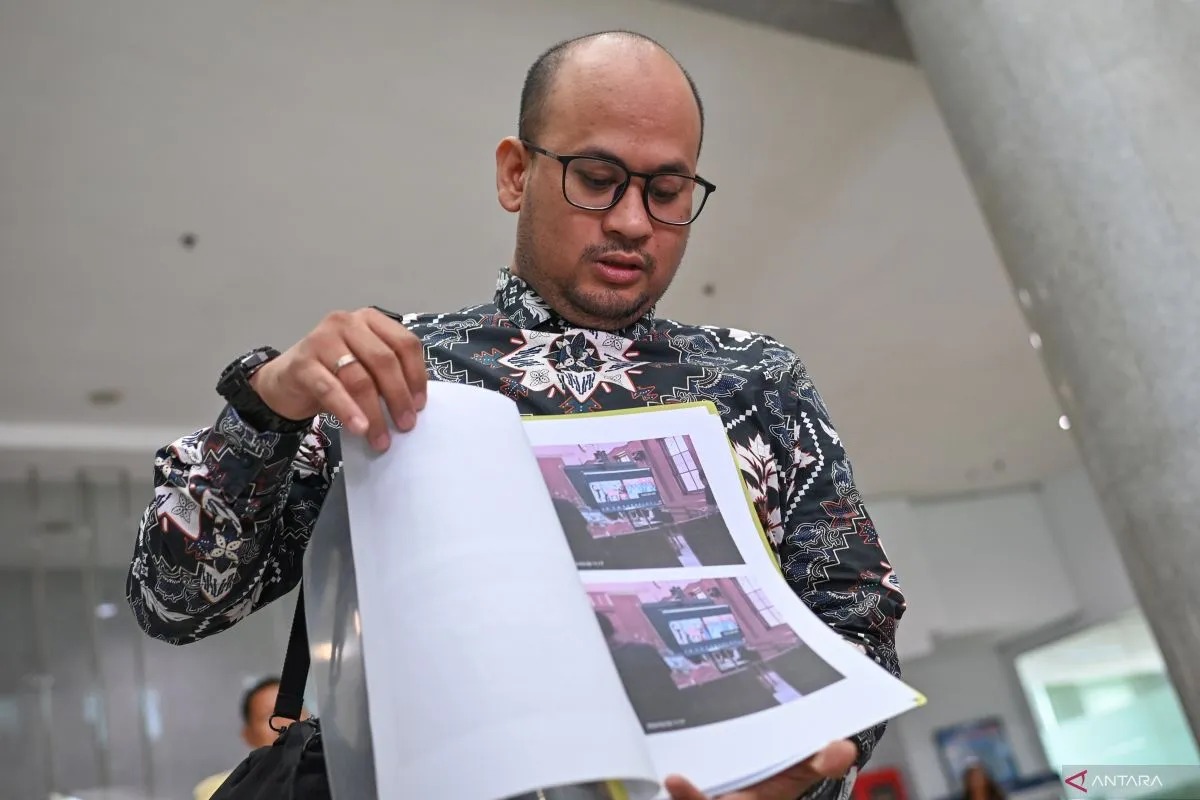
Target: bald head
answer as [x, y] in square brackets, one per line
[609, 60]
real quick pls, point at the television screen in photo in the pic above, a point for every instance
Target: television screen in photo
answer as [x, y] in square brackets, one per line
[615, 488]
[695, 629]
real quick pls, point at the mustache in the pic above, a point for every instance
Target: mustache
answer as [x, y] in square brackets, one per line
[597, 252]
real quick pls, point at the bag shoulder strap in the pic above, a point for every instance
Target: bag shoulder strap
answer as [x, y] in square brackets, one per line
[290, 700]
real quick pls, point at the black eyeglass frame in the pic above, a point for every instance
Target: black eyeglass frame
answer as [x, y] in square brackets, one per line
[646, 177]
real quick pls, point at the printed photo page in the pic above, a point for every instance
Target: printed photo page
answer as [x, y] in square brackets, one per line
[729, 673]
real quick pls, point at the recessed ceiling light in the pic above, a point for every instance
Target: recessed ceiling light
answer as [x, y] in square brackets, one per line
[56, 526]
[1035, 340]
[102, 398]
[1064, 422]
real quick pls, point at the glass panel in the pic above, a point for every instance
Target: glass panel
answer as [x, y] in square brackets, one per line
[87, 701]
[1103, 697]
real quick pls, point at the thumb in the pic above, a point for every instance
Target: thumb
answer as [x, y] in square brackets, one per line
[679, 788]
[835, 759]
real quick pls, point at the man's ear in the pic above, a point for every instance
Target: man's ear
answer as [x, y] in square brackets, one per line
[512, 171]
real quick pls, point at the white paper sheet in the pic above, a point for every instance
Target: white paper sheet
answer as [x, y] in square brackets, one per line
[486, 673]
[830, 690]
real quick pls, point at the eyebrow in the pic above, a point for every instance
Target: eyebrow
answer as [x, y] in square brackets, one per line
[670, 166]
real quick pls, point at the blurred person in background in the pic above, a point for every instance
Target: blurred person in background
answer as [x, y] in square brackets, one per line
[258, 704]
[978, 784]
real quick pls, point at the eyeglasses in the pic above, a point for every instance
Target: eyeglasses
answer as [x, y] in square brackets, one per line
[597, 184]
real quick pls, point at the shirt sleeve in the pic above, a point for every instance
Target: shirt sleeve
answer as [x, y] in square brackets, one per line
[826, 542]
[226, 530]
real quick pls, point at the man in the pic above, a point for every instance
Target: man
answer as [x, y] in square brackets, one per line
[258, 705]
[603, 179]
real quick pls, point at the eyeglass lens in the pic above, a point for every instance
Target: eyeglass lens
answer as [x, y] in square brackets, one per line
[592, 183]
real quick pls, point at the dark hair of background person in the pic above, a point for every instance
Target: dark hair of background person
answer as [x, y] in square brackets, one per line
[248, 695]
[992, 790]
[606, 625]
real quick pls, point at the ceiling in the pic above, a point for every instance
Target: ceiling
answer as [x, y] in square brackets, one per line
[870, 25]
[326, 159]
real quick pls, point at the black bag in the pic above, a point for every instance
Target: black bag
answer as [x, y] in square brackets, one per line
[293, 767]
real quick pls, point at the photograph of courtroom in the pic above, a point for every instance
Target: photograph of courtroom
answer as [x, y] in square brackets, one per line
[699, 652]
[637, 505]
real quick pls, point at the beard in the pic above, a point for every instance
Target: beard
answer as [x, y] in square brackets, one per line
[601, 309]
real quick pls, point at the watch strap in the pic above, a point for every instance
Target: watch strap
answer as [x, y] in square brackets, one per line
[234, 386]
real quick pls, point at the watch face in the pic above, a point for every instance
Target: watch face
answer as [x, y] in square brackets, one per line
[255, 359]
[239, 371]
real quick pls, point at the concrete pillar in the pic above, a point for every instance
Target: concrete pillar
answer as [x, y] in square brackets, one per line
[1078, 124]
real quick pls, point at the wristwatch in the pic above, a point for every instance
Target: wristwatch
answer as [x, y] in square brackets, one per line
[234, 386]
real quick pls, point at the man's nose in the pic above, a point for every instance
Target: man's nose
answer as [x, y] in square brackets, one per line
[628, 217]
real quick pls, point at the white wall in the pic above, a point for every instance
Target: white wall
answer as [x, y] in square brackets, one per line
[979, 564]
[996, 563]
[1088, 550]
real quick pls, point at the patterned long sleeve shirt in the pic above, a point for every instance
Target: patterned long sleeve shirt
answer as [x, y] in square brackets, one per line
[234, 507]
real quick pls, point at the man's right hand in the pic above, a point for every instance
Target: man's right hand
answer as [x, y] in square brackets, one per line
[388, 365]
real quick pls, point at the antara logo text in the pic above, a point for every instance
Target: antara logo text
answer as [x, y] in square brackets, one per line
[1118, 781]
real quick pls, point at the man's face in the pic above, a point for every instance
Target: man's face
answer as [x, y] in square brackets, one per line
[604, 269]
[257, 730]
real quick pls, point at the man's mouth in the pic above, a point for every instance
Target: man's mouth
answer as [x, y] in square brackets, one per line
[622, 261]
[619, 269]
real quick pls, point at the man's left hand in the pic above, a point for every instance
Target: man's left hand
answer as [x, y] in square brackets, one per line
[830, 763]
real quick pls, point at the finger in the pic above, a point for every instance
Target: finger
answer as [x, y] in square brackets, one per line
[383, 364]
[325, 347]
[408, 349]
[830, 762]
[358, 382]
[835, 759]
[332, 396]
[680, 788]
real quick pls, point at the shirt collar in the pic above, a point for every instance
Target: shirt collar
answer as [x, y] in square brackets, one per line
[518, 301]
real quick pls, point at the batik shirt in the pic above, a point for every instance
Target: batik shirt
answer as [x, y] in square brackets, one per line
[234, 507]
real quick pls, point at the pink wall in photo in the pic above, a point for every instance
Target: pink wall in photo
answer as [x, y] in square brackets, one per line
[625, 610]
[556, 478]
[659, 462]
